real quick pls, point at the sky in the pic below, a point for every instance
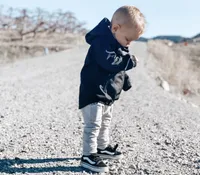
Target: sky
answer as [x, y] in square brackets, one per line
[171, 17]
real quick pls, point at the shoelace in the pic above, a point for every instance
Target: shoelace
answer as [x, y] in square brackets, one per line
[96, 158]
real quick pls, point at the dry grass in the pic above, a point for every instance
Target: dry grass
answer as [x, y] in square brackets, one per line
[177, 64]
[11, 48]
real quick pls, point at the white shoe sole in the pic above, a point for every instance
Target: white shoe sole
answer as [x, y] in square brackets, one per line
[93, 168]
[104, 156]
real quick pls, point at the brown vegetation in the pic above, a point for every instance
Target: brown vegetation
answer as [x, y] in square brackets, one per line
[29, 33]
[179, 64]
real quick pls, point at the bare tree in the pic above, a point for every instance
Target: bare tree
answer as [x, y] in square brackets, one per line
[38, 21]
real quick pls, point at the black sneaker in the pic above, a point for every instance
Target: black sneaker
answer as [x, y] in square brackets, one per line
[94, 163]
[110, 152]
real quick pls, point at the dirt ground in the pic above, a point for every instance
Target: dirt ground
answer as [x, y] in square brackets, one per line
[41, 126]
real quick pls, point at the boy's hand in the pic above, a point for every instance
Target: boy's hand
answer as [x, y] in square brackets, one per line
[134, 58]
[123, 53]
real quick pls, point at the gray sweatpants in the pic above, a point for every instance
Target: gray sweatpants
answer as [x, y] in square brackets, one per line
[97, 119]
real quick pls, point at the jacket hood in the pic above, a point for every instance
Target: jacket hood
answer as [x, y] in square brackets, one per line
[102, 29]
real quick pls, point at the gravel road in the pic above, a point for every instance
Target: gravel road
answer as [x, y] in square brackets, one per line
[41, 126]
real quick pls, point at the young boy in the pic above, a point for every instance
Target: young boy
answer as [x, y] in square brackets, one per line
[103, 78]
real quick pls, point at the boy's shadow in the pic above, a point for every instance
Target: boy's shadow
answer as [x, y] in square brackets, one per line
[8, 165]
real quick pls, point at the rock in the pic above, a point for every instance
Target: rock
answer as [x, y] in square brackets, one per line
[139, 127]
[174, 155]
[167, 142]
[193, 105]
[113, 168]
[185, 162]
[138, 166]
[63, 151]
[186, 91]
[132, 167]
[158, 143]
[141, 173]
[198, 154]
[2, 150]
[146, 171]
[131, 149]
[178, 160]
[161, 171]
[165, 85]
[164, 149]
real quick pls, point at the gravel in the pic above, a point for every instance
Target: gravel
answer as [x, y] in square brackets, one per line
[41, 126]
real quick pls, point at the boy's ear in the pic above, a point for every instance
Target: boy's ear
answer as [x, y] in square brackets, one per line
[115, 27]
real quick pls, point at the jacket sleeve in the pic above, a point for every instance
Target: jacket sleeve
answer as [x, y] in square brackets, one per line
[127, 83]
[109, 59]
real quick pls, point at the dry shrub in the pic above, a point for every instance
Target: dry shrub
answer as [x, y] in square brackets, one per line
[33, 47]
[177, 64]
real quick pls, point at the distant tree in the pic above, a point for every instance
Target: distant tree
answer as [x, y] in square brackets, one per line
[25, 21]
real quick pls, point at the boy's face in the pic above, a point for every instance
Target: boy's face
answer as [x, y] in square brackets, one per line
[124, 35]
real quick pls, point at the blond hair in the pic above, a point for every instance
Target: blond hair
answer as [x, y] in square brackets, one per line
[130, 16]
